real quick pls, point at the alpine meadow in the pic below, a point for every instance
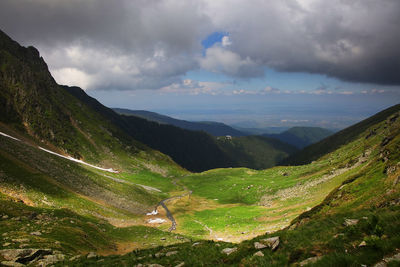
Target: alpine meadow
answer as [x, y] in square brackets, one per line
[303, 172]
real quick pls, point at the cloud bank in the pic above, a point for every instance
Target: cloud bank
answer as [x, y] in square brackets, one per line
[150, 44]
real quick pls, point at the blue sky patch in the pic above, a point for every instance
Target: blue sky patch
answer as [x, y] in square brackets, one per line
[215, 37]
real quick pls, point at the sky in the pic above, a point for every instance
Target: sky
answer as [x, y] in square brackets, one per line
[249, 63]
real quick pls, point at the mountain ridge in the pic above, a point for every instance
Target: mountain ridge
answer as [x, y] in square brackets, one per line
[210, 127]
[301, 136]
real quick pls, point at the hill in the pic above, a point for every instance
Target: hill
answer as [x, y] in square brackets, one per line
[210, 127]
[195, 151]
[255, 152]
[301, 137]
[339, 139]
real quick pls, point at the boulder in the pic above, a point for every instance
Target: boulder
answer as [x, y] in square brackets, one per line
[180, 264]
[310, 260]
[91, 255]
[37, 233]
[258, 254]
[159, 254]
[50, 259]
[259, 245]
[349, 222]
[24, 256]
[363, 244]
[171, 253]
[272, 242]
[11, 263]
[228, 251]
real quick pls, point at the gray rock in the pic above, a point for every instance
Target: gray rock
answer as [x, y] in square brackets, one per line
[310, 260]
[171, 253]
[259, 245]
[91, 255]
[11, 263]
[272, 242]
[196, 244]
[24, 255]
[258, 254]
[159, 254]
[6, 244]
[180, 264]
[228, 251]
[37, 233]
[381, 264]
[75, 257]
[363, 244]
[349, 222]
[395, 257]
[50, 259]
[155, 265]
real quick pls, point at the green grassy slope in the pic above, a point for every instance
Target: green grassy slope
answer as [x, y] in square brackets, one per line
[301, 137]
[76, 208]
[365, 187]
[255, 152]
[341, 138]
[32, 104]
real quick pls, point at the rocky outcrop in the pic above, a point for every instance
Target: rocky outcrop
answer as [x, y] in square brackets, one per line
[18, 257]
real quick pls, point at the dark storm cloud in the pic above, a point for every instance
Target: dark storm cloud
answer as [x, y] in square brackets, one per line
[144, 44]
[352, 40]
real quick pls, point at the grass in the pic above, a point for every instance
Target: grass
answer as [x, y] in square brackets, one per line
[305, 206]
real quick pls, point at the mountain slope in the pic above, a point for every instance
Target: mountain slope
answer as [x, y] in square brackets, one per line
[213, 128]
[354, 223]
[339, 139]
[255, 152]
[67, 120]
[301, 136]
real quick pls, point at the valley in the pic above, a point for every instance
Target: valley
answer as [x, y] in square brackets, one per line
[84, 186]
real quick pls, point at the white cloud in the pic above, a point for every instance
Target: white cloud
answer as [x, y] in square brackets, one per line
[149, 44]
[192, 87]
[226, 41]
[221, 60]
[72, 76]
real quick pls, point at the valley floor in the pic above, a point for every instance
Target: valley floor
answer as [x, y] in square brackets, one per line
[73, 208]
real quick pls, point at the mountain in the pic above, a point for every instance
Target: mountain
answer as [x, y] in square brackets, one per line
[69, 121]
[117, 202]
[210, 127]
[255, 152]
[339, 139]
[195, 151]
[301, 137]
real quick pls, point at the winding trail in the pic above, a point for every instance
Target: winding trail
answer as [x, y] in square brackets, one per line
[169, 214]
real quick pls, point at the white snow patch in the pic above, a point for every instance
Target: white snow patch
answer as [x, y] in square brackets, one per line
[154, 212]
[72, 159]
[9, 136]
[78, 160]
[157, 220]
